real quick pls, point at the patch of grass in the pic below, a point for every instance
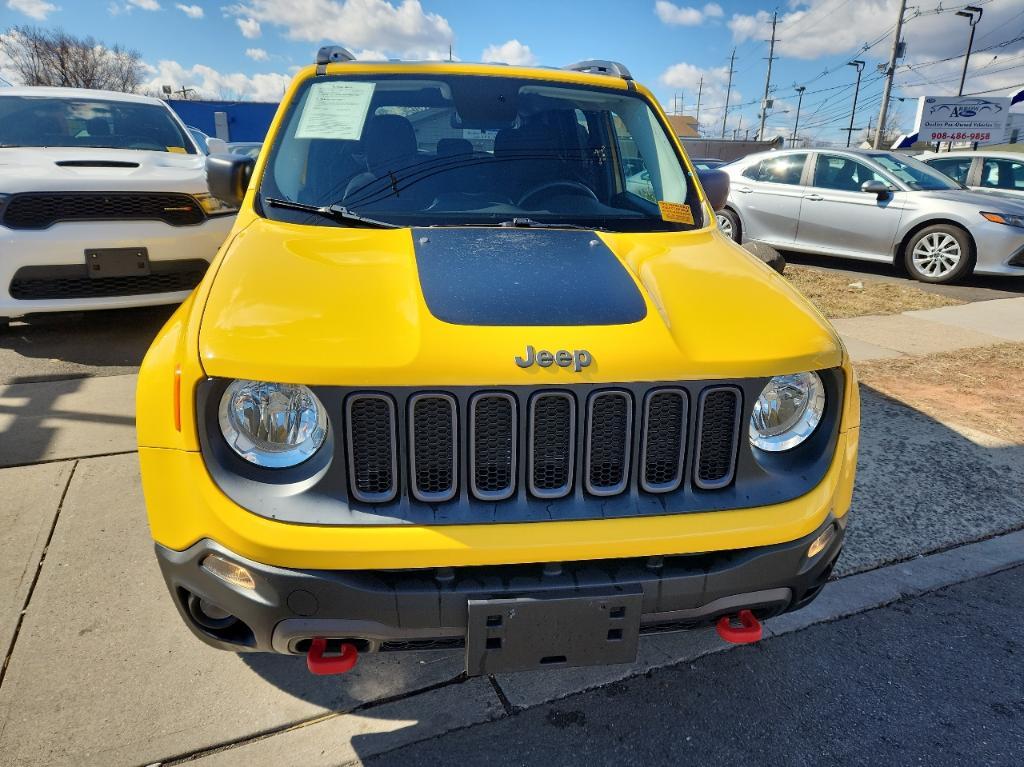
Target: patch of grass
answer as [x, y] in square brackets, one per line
[840, 296]
[978, 388]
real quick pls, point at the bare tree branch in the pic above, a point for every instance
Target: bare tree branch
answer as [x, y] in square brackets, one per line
[54, 57]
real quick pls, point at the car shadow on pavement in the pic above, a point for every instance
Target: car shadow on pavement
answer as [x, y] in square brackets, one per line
[922, 486]
[54, 346]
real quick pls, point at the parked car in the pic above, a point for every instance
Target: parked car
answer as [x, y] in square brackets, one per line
[876, 206]
[982, 170]
[246, 148]
[453, 386]
[707, 163]
[103, 202]
[207, 144]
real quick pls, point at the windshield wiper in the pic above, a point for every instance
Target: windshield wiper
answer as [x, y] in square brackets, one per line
[529, 223]
[336, 212]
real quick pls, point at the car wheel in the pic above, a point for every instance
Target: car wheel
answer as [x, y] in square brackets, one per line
[939, 253]
[729, 223]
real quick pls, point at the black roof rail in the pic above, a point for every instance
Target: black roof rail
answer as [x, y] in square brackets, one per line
[329, 54]
[601, 67]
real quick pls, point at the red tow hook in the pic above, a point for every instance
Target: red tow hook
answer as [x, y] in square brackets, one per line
[748, 631]
[334, 664]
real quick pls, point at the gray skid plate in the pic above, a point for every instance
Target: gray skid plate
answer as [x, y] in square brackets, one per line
[552, 632]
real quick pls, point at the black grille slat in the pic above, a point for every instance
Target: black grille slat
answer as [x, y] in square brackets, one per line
[493, 446]
[433, 438]
[718, 432]
[45, 283]
[609, 430]
[371, 448]
[552, 442]
[39, 210]
[664, 440]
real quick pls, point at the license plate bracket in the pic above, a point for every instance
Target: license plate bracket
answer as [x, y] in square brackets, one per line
[116, 262]
[524, 633]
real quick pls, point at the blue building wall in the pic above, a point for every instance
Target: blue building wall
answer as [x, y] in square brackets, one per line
[247, 120]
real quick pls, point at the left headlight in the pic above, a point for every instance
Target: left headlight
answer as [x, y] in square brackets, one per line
[214, 206]
[787, 412]
[1010, 219]
[272, 425]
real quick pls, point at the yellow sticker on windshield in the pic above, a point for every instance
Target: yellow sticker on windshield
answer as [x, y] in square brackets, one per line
[177, 149]
[675, 211]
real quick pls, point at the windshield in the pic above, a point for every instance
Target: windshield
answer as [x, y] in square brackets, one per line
[43, 121]
[914, 173]
[463, 150]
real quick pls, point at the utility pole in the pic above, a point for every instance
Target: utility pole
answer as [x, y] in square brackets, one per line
[968, 13]
[860, 68]
[728, 90]
[796, 123]
[768, 77]
[889, 72]
[700, 88]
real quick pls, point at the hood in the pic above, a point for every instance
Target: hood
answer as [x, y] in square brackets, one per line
[64, 169]
[976, 197]
[370, 307]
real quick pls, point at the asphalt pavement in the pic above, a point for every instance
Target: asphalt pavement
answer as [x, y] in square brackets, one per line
[936, 680]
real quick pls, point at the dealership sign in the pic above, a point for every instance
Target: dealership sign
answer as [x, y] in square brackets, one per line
[962, 118]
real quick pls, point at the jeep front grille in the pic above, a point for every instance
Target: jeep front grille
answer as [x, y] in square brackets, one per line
[717, 432]
[372, 450]
[613, 439]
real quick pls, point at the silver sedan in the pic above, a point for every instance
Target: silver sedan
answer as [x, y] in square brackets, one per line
[876, 206]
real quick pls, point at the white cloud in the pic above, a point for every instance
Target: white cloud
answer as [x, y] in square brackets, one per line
[684, 76]
[510, 52]
[192, 11]
[250, 28]
[401, 28]
[670, 13]
[34, 9]
[212, 84]
[257, 54]
[146, 5]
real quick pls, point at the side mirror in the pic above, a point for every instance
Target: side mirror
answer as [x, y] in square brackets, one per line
[716, 187]
[878, 188]
[217, 145]
[227, 176]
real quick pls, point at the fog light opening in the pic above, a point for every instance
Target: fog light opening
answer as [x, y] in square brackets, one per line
[228, 571]
[209, 615]
[821, 542]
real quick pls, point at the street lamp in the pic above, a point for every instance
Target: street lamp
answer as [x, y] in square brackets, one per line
[796, 122]
[860, 68]
[968, 13]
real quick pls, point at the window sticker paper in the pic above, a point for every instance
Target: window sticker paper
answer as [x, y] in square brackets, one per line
[335, 110]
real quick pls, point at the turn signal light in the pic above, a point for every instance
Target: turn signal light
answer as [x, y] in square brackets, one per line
[228, 571]
[821, 542]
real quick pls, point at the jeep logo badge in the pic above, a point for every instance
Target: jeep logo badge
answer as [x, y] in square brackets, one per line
[578, 358]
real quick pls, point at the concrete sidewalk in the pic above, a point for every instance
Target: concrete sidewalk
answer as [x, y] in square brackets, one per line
[932, 331]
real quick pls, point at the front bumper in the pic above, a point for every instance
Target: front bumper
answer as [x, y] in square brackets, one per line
[64, 245]
[382, 611]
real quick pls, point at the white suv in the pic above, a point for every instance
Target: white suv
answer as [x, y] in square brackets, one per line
[103, 202]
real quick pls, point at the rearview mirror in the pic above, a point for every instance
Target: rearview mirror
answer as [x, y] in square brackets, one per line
[227, 176]
[716, 187]
[875, 187]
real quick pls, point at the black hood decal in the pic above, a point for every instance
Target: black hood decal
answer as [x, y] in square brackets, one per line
[492, 276]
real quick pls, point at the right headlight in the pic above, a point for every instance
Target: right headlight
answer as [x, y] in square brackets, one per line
[272, 425]
[787, 412]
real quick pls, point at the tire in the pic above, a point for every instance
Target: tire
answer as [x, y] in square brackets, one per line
[729, 223]
[939, 254]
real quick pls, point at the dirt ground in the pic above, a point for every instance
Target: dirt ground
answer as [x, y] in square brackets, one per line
[838, 295]
[979, 388]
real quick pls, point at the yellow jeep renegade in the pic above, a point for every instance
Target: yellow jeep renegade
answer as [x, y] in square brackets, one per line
[475, 370]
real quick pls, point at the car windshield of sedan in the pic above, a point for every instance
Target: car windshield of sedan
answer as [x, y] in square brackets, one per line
[914, 173]
[43, 121]
[474, 150]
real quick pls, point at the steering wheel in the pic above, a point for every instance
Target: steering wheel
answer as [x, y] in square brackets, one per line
[574, 187]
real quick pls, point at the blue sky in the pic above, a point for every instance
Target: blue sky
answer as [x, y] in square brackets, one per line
[249, 48]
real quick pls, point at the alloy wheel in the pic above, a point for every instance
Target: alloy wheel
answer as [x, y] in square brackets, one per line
[725, 225]
[937, 254]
